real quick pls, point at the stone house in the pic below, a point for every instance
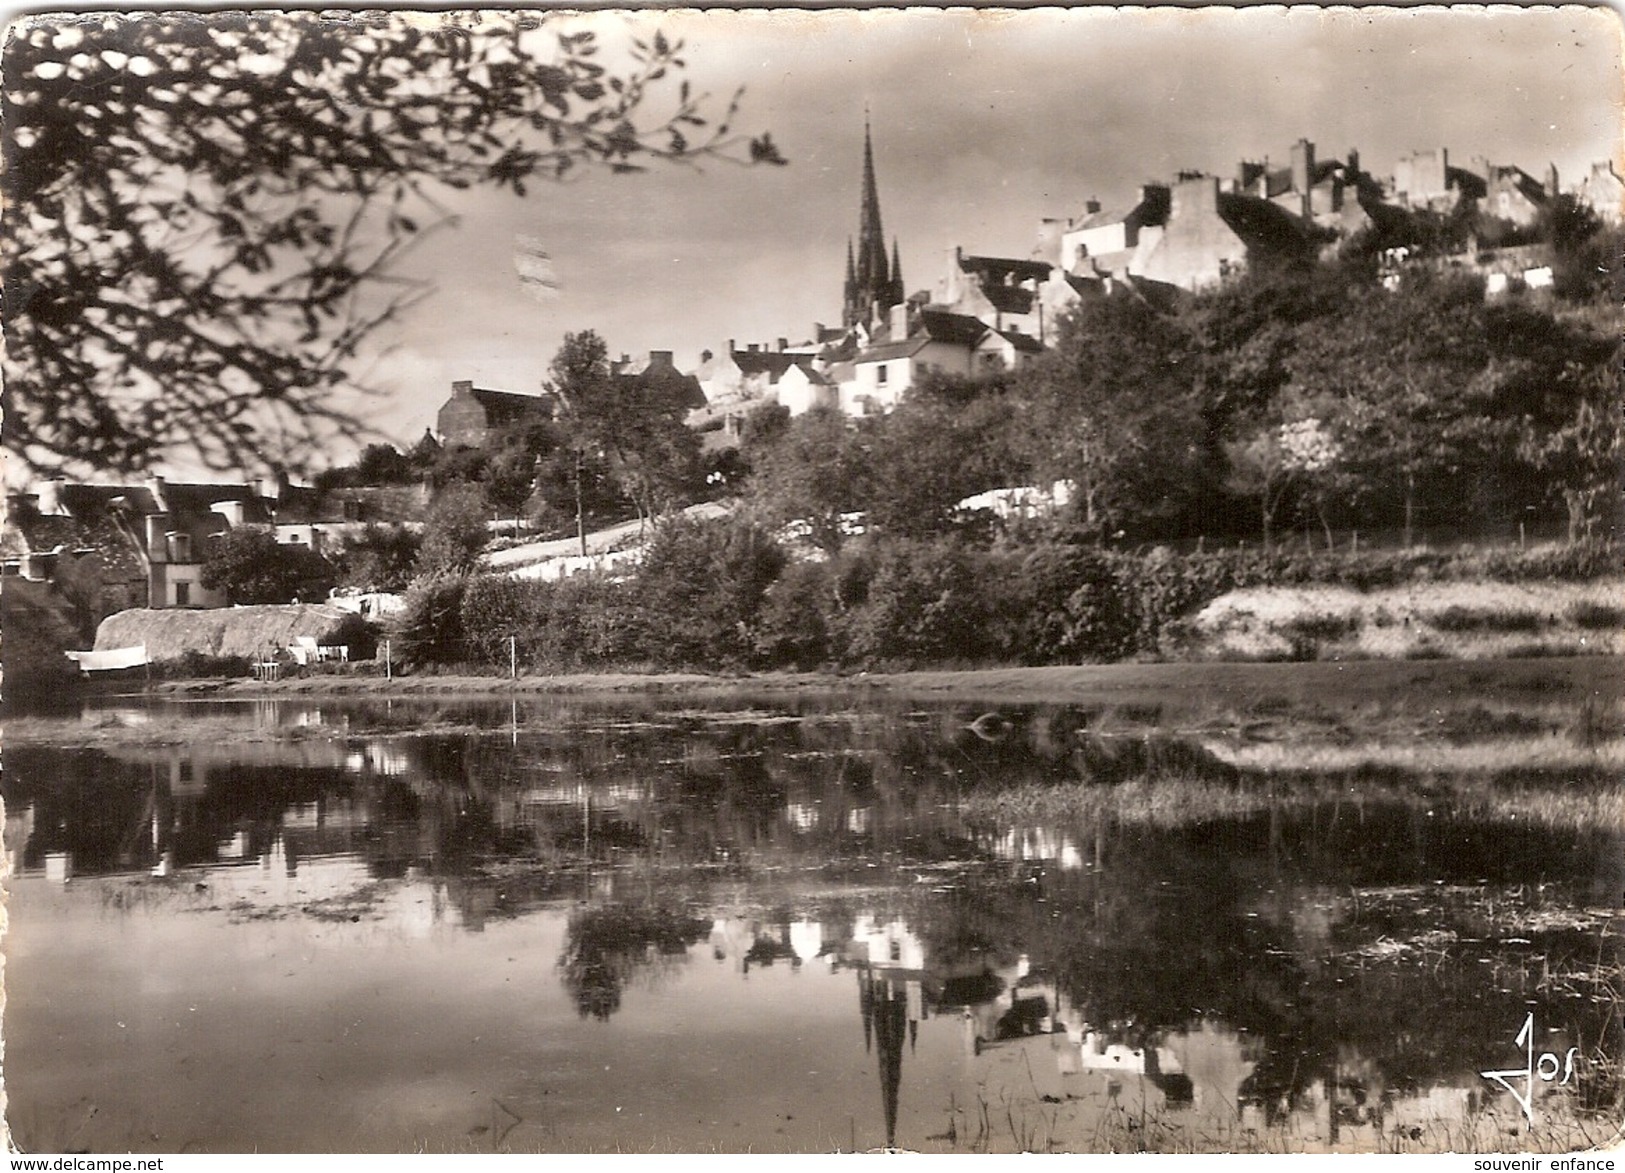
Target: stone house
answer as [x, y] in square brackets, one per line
[927, 339]
[473, 414]
[1603, 191]
[1000, 291]
[149, 540]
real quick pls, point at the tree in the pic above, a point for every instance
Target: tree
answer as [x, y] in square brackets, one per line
[379, 558]
[1399, 371]
[815, 471]
[454, 533]
[1278, 457]
[634, 421]
[251, 566]
[1115, 410]
[202, 211]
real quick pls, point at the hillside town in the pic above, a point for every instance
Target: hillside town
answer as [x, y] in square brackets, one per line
[814, 581]
[111, 547]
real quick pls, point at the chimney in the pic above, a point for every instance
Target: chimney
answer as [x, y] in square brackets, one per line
[272, 488]
[1091, 206]
[157, 537]
[49, 495]
[705, 356]
[462, 387]
[899, 321]
[733, 346]
[232, 511]
[1303, 165]
[781, 345]
[1551, 181]
[659, 358]
[751, 348]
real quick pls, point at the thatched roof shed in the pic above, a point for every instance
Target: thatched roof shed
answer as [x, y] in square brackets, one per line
[227, 631]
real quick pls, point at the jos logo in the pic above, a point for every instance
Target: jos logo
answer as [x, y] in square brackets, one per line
[1545, 1068]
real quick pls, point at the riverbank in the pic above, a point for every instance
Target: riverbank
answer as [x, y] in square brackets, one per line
[1600, 676]
[1307, 703]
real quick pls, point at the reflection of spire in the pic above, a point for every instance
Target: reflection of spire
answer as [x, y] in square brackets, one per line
[890, 1018]
[866, 1009]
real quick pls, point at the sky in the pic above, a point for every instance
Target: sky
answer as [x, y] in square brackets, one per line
[984, 121]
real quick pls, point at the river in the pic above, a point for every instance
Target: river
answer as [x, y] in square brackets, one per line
[811, 924]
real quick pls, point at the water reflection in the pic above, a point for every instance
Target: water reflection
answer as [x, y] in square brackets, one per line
[1327, 975]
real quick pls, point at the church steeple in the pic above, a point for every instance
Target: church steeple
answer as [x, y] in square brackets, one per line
[872, 283]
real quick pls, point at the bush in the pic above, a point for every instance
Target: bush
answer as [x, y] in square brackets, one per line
[429, 628]
[924, 604]
[793, 627]
[1463, 620]
[700, 590]
[1597, 616]
[1062, 603]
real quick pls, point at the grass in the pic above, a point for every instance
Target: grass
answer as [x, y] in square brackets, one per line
[1593, 616]
[1411, 621]
[1175, 801]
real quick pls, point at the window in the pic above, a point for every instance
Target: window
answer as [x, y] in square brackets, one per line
[880, 373]
[183, 594]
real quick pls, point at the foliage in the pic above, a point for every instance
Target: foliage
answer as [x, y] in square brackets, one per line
[429, 629]
[633, 421]
[813, 472]
[203, 209]
[924, 604]
[454, 533]
[1115, 410]
[799, 609]
[700, 590]
[251, 566]
[378, 558]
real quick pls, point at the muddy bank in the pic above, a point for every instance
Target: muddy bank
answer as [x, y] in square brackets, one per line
[1233, 683]
[1319, 704]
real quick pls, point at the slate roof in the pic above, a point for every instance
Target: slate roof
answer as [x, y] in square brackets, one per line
[1025, 343]
[1103, 219]
[773, 362]
[504, 407]
[941, 326]
[1009, 299]
[1020, 269]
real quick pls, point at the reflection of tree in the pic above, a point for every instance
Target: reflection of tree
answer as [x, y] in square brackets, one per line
[605, 947]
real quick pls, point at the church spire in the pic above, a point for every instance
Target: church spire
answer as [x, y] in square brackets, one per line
[873, 280]
[896, 274]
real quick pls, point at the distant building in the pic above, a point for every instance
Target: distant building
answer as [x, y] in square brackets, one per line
[473, 414]
[1000, 291]
[1603, 191]
[1512, 194]
[658, 378]
[920, 341]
